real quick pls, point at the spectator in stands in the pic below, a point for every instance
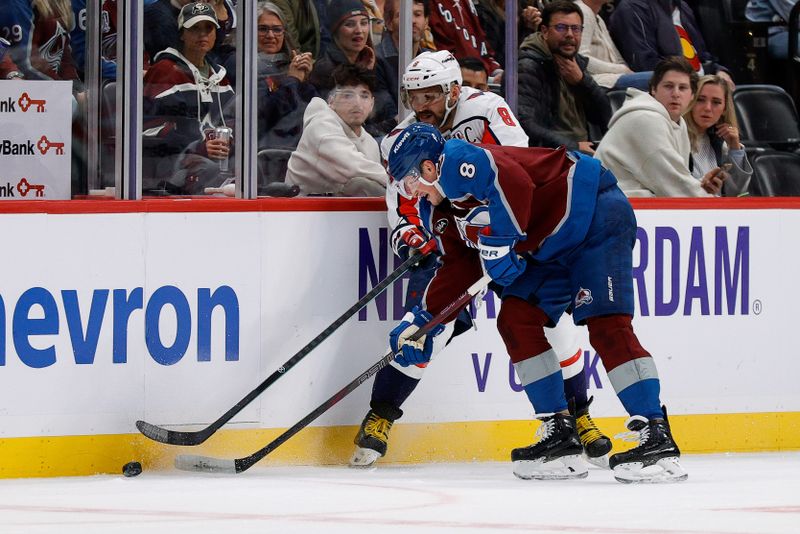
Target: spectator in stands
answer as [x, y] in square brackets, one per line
[557, 99]
[307, 23]
[455, 27]
[777, 12]
[41, 49]
[647, 145]
[349, 25]
[77, 36]
[492, 18]
[606, 64]
[388, 47]
[160, 22]
[283, 87]
[714, 135]
[336, 155]
[647, 31]
[473, 73]
[184, 99]
[376, 19]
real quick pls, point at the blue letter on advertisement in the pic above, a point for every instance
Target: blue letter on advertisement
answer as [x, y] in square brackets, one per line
[225, 297]
[174, 297]
[24, 327]
[84, 345]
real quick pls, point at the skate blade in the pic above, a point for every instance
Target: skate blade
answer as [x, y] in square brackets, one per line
[564, 468]
[666, 470]
[364, 458]
[600, 461]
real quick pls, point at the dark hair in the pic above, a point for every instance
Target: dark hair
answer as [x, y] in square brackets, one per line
[676, 63]
[559, 6]
[472, 63]
[349, 75]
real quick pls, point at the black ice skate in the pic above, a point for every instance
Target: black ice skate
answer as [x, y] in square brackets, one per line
[557, 454]
[655, 459]
[596, 445]
[371, 440]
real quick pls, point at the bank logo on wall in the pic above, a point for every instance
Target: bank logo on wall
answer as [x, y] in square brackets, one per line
[37, 135]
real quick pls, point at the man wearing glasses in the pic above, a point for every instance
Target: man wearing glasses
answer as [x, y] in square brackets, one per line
[557, 99]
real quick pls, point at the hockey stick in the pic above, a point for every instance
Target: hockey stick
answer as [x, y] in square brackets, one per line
[176, 437]
[190, 462]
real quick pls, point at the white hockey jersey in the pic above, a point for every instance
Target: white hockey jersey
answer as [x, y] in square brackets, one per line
[480, 117]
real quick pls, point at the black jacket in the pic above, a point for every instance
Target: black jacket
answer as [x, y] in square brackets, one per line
[645, 34]
[538, 99]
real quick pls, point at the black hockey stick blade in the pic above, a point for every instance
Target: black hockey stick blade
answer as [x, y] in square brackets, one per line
[239, 465]
[196, 437]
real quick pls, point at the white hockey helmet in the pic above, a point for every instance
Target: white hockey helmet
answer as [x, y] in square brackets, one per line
[431, 69]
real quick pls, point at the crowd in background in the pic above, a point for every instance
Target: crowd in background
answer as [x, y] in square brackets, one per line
[328, 84]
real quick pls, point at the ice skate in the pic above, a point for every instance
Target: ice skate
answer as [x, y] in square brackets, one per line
[654, 460]
[596, 445]
[371, 440]
[557, 454]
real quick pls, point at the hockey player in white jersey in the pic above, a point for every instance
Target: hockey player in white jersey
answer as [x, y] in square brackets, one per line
[431, 88]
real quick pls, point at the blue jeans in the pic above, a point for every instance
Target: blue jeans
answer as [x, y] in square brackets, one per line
[637, 80]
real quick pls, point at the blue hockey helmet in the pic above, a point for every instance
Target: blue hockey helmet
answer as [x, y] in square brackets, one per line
[417, 143]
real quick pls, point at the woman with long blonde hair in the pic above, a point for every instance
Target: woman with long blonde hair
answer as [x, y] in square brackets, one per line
[714, 135]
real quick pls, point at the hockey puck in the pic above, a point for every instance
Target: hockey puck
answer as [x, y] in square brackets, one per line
[131, 469]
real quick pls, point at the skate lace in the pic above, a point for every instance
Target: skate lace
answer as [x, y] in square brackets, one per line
[378, 427]
[636, 435]
[587, 429]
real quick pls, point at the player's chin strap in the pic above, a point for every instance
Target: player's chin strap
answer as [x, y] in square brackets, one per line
[449, 106]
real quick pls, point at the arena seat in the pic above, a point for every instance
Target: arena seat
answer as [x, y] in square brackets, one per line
[767, 115]
[776, 174]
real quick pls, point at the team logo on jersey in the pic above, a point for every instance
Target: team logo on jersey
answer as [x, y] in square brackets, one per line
[584, 296]
[440, 226]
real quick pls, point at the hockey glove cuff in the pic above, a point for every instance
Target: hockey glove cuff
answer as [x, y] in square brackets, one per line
[499, 258]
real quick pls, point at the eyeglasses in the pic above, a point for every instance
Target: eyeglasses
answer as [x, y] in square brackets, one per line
[562, 28]
[347, 95]
[424, 99]
[276, 30]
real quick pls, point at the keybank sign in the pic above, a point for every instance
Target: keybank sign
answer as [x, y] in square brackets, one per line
[36, 316]
[703, 272]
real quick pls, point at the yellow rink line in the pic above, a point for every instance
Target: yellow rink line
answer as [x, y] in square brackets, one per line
[410, 443]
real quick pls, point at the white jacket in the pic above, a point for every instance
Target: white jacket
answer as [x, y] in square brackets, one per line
[647, 151]
[331, 158]
[606, 63]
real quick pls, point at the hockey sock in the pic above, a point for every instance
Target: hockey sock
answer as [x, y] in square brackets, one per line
[630, 368]
[390, 391]
[522, 327]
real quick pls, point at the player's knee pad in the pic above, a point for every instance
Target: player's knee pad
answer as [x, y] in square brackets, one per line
[613, 338]
[521, 325]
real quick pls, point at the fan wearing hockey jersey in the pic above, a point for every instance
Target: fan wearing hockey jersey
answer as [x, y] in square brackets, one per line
[560, 236]
[431, 87]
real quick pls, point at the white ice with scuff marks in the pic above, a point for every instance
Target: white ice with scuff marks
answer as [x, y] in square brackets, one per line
[737, 493]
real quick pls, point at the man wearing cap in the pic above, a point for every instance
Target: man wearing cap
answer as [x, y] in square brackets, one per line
[184, 98]
[349, 24]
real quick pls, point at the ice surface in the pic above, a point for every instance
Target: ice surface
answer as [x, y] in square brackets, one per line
[752, 493]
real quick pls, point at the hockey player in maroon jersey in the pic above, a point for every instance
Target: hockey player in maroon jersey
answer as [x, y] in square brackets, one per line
[431, 87]
[560, 236]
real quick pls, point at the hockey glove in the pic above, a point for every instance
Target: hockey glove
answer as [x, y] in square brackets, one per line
[408, 238]
[499, 258]
[413, 352]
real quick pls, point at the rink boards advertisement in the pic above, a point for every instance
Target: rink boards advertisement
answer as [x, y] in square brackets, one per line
[35, 140]
[172, 317]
